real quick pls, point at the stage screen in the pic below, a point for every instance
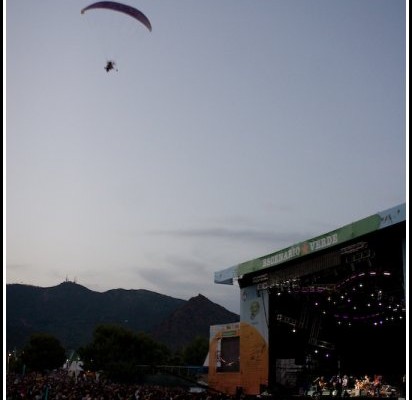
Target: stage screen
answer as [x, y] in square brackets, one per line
[228, 358]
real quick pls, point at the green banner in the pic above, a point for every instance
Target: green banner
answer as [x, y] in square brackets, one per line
[318, 243]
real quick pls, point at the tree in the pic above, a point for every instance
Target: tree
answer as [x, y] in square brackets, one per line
[119, 352]
[196, 351]
[43, 352]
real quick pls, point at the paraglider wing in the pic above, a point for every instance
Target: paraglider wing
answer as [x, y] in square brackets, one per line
[124, 8]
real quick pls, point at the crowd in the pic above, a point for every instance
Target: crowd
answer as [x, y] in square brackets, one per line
[59, 385]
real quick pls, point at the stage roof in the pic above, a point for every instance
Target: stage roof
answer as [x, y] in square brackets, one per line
[375, 222]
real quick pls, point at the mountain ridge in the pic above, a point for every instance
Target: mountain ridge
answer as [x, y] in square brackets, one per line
[70, 312]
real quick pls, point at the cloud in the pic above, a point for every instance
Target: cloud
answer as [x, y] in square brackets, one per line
[18, 267]
[248, 235]
[178, 272]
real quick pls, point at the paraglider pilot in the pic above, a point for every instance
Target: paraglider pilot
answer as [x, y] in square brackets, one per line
[109, 66]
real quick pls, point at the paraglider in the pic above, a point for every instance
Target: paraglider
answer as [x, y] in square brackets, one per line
[123, 8]
[110, 65]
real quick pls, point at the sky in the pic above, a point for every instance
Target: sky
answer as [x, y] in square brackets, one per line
[230, 131]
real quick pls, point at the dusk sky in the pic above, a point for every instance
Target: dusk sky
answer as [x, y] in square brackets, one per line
[232, 130]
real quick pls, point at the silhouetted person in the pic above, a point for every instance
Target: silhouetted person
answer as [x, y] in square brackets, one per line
[109, 66]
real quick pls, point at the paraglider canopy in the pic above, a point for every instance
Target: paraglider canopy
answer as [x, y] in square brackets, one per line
[124, 8]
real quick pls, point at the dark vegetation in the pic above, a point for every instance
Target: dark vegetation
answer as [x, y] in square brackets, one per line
[118, 331]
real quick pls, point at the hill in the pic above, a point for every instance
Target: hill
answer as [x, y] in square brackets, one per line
[191, 319]
[70, 312]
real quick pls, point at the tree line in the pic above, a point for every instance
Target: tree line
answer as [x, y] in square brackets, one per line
[115, 351]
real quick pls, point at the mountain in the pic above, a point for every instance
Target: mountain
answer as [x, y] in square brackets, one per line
[191, 319]
[70, 312]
